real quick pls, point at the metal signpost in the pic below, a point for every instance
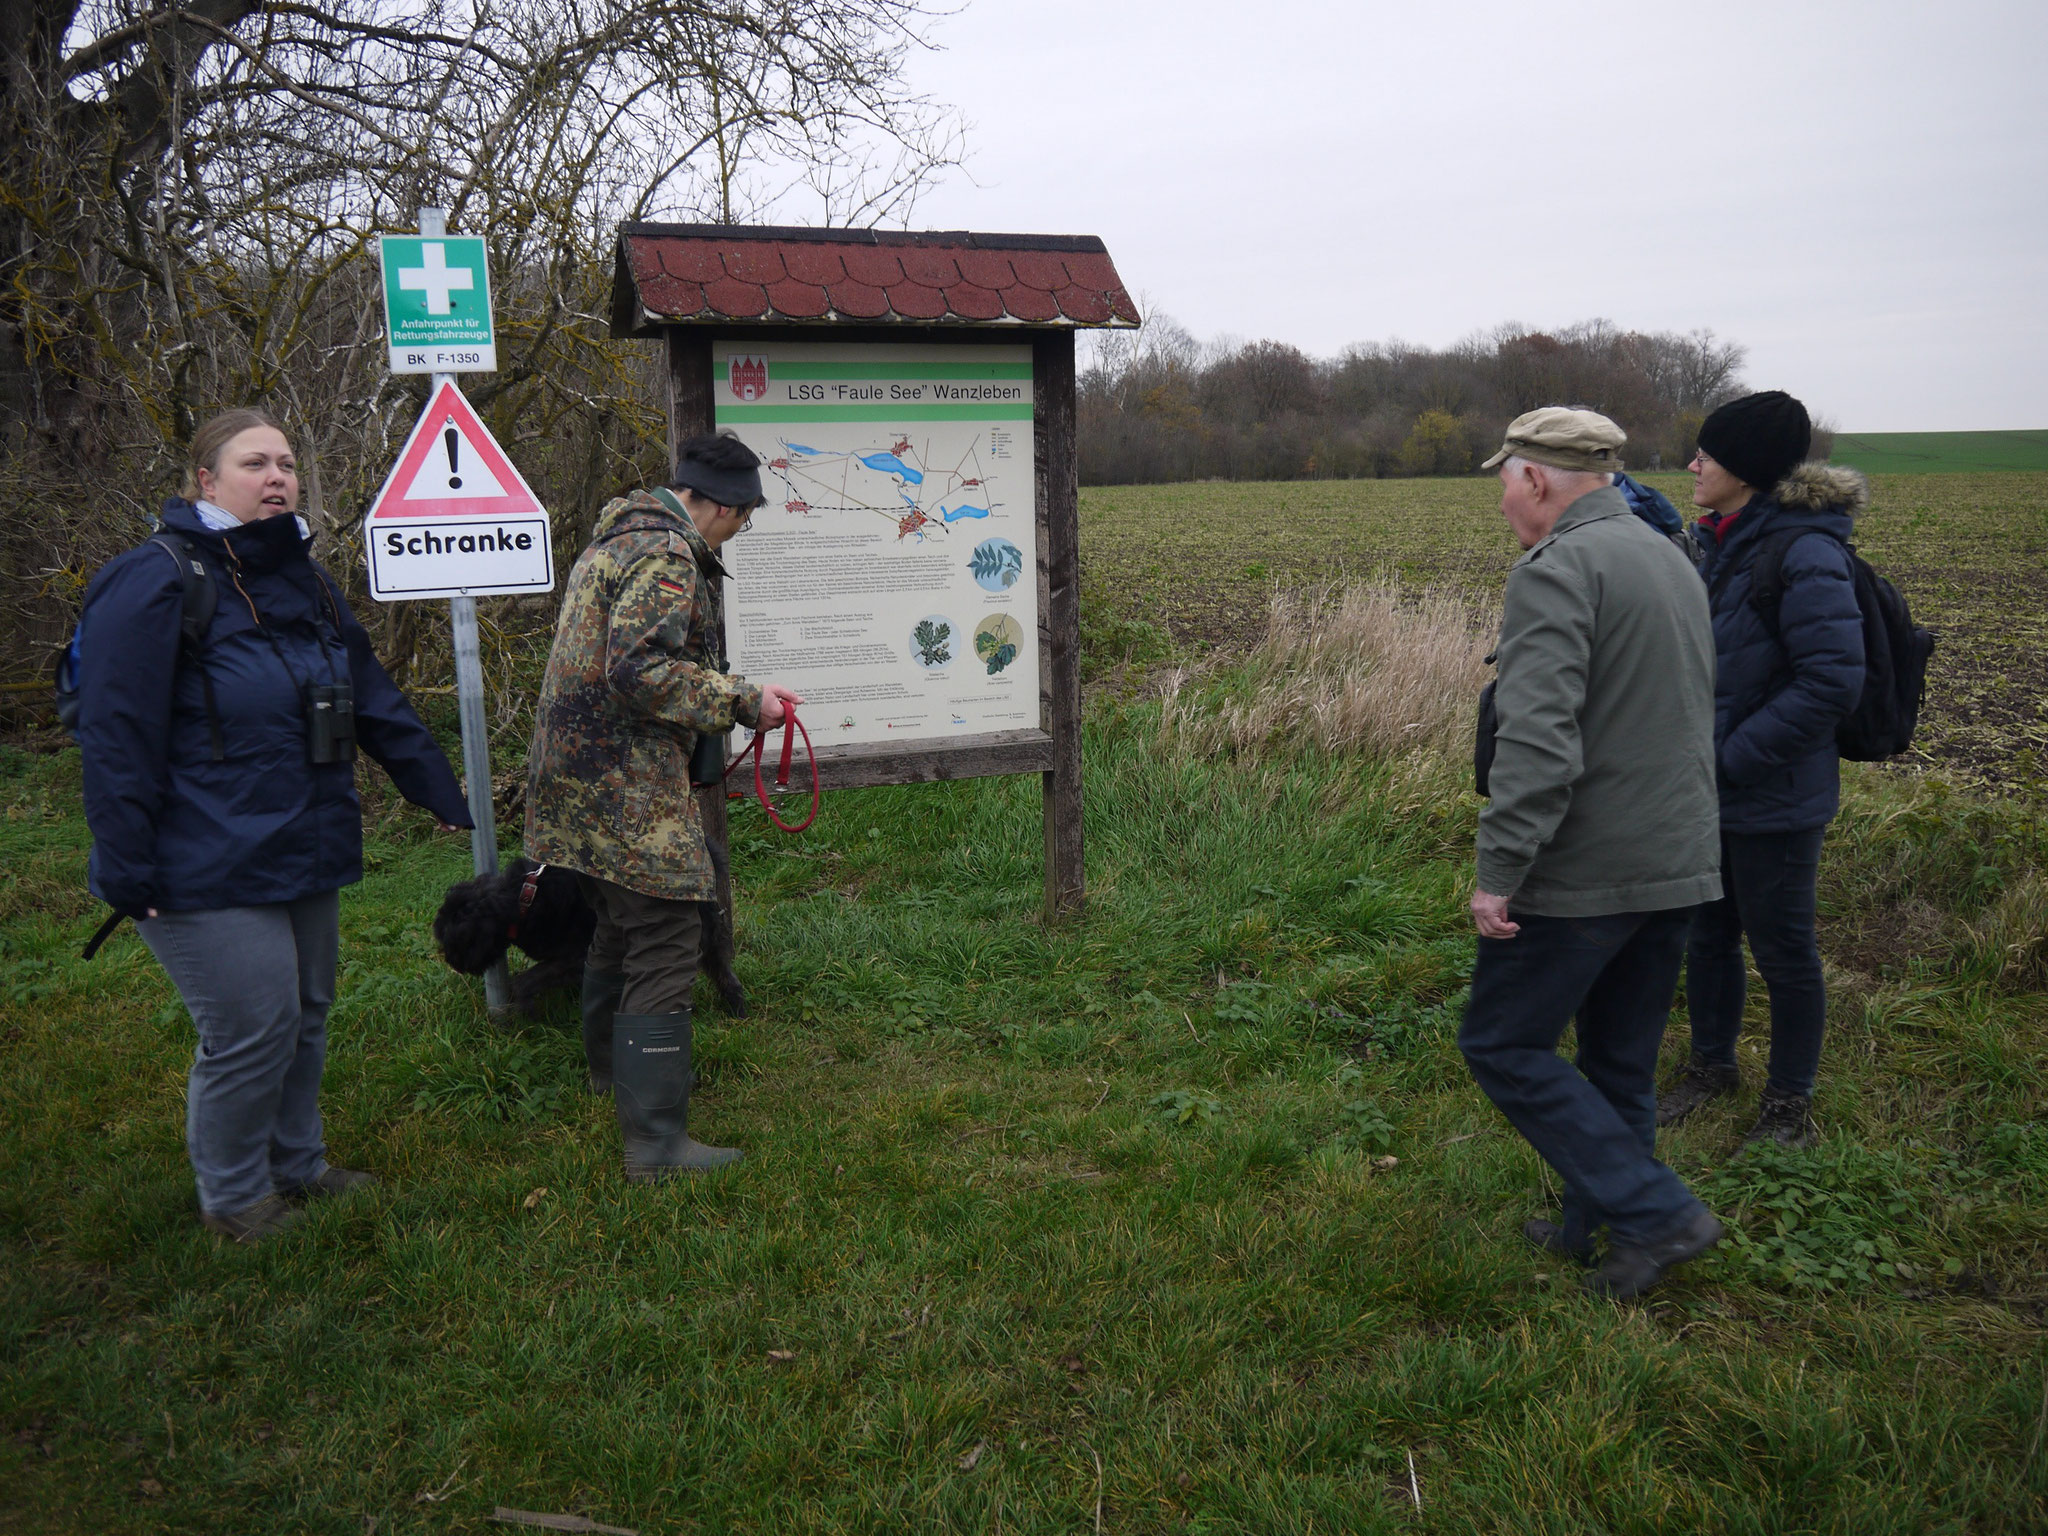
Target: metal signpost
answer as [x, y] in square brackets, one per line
[455, 518]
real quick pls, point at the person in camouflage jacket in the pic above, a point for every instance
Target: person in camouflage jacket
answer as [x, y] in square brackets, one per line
[636, 673]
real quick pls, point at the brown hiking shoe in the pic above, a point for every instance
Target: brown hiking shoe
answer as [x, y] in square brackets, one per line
[1786, 1118]
[1700, 1081]
[253, 1223]
[332, 1181]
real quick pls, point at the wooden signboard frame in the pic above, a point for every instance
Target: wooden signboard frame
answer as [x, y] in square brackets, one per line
[1053, 751]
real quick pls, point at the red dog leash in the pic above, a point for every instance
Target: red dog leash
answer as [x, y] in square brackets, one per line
[790, 729]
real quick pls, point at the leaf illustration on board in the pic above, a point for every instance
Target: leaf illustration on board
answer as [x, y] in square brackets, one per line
[1002, 657]
[997, 563]
[931, 640]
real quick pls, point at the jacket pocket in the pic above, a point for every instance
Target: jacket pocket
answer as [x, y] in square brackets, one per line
[654, 792]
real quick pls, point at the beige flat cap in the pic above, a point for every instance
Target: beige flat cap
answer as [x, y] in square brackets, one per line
[1563, 438]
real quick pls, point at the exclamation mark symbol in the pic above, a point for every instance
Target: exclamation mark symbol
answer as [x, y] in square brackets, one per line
[454, 441]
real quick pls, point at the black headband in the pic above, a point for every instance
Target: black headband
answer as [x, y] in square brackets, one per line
[727, 487]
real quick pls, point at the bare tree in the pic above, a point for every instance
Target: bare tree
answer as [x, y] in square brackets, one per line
[190, 193]
[1700, 369]
[1266, 379]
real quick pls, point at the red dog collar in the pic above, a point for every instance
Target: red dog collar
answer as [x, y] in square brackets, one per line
[528, 889]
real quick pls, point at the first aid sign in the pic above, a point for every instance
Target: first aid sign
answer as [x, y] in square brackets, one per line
[437, 304]
[455, 518]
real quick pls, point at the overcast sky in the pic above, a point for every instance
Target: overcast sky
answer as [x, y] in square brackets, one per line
[1856, 192]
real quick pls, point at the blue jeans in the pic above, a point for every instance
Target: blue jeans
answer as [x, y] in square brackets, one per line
[258, 982]
[1594, 1122]
[1768, 879]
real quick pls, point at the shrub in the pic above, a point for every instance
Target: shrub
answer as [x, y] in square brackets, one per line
[1437, 445]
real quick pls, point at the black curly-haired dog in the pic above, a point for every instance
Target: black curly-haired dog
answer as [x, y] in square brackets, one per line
[546, 917]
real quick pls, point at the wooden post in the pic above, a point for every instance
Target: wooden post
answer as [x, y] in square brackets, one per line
[690, 415]
[1059, 476]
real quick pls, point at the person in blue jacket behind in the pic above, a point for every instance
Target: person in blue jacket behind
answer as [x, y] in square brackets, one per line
[225, 819]
[1784, 682]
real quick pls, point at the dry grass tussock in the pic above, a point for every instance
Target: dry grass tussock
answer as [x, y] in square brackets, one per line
[1366, 667]
[2011, 940]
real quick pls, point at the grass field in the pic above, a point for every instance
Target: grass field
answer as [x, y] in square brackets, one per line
[1187, 570]
[1179, 1218]
[1932, 453]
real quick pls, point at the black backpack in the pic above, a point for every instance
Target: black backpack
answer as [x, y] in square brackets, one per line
[1895, 649]
[202, 596]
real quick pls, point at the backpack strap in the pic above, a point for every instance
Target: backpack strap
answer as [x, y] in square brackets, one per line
[201, 598]
[332, 594]
[1767, 570]
[1688, 541]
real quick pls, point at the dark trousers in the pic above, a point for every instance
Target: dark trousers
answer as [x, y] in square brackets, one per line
[1767, 880]
[651, 941]
[1595, 1121]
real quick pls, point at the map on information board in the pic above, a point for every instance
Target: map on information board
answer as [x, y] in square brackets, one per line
[892, 576]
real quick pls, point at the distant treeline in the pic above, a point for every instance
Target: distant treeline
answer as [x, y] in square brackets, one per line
[1156, 405]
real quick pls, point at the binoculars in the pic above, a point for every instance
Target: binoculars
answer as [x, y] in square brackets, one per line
[331, 723]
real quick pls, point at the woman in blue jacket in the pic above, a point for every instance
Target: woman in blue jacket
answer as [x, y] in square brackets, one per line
[1786, 676]
[220, 789]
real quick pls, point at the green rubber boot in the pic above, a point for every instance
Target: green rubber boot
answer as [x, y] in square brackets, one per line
[601, 992]
[651, 1092]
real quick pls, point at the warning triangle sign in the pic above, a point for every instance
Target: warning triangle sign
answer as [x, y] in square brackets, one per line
[451, 466]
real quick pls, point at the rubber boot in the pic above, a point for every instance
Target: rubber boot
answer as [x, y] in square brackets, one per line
[601, 992]
[651, 1092]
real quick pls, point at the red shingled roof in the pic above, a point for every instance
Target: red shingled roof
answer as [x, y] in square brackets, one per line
[695, 274]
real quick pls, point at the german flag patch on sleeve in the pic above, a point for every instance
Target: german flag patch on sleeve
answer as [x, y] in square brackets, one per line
[668, 585]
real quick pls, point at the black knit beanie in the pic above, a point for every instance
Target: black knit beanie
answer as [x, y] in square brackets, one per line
[720, 467]
[1758, 438]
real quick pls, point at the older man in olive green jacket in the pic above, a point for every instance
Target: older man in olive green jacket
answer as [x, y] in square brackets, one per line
[1602, 836]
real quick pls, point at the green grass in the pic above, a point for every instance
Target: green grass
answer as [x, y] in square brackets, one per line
[1099, 1200]
[1933, 453]
[1063, 1229]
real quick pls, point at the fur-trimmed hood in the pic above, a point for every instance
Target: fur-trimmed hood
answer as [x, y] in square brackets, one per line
[1815, 484]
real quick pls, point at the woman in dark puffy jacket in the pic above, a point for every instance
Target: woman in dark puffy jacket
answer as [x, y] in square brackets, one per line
[220, 789]
[1786, 676]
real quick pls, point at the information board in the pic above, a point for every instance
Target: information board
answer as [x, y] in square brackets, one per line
[892, 576]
